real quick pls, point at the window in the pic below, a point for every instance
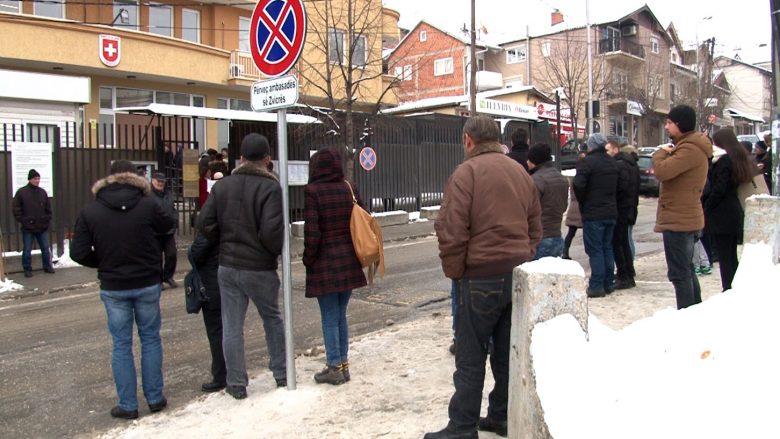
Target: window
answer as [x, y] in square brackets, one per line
[423, 36]
[655, 46]
[620, 82]
[618, 125]
[164, 97]
[10, 6]
[52, 8]
[190, 25]
[335, 46]
[674, 57]
[160, 19]
[673, 91]
[240, 104]
[545, 49]
[126, 13]
[442, 67]
[223, 126]
[359, 52]
[243, 34]
[656, 86]
[131, 97]
[106, 98]
[403, 73]
[515, 55]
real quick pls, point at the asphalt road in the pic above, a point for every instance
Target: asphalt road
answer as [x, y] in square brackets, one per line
[55, 350]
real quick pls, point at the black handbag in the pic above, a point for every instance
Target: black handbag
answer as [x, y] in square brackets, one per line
[194, 291]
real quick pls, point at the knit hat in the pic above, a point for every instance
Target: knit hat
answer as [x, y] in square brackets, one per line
[32, 174]
[158, 176]
[539, 154]
[255, 147]
[684, 117]
[596, 140]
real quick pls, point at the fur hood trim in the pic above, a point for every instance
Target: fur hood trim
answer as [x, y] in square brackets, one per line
[483, 148]
[249, 168]
[122, 178]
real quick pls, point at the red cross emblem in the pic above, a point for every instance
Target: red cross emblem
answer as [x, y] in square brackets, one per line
[109, 50]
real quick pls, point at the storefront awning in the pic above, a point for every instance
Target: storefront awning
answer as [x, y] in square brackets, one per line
[735, 113]
[212, 113]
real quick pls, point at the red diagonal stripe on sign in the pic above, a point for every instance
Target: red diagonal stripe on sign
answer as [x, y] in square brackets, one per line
[275, 29]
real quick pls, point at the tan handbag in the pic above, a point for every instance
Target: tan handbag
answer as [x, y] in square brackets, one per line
[756, 186]
[367, 239]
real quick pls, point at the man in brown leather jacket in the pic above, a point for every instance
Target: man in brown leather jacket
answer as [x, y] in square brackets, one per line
[489, 222]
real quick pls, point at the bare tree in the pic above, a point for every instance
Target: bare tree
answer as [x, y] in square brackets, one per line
[649, 90]
[343, 70]
[565, 67]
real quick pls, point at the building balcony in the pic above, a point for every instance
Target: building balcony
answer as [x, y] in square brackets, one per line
[489, 80]
[242, 67]
[621, 46]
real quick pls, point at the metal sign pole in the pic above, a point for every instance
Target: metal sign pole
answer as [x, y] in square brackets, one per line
[281, 129]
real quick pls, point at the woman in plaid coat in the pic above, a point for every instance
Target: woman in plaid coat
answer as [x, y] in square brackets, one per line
[332, 269]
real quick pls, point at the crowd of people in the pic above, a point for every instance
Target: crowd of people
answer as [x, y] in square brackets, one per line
[499, 211]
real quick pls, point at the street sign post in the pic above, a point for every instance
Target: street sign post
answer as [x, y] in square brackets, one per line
[277, 33]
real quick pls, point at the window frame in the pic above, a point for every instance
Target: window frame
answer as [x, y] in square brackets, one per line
[184, 26]
[655, 45]
[153, 6]
[336, 53]
[546, 49]
[248, 22]
[8, 2]
[447, 61]
[423, 36]
[36, 5]
[519, 50]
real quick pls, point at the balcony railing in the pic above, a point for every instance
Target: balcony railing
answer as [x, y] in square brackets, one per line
[621, 45]
[242, 66]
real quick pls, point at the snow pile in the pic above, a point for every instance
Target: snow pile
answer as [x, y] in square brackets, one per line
[64, 261]
[7, 285]
[709, 371]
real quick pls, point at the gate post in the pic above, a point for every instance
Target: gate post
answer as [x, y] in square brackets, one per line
[159, 149]
[59, 204]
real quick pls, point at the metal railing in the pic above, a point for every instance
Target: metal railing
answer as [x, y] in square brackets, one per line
[621, 45]
[242, 66]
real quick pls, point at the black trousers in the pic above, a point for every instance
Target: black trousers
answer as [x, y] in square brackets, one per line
[726, 247]
[169, 256]
[212, 318]
[568, 240]
[624, 259]
[484, 312]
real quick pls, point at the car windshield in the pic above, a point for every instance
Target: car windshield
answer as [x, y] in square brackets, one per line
[645, 162]
[752, 138]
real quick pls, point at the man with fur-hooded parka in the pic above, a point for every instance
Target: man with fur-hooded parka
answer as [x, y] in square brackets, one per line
[115, 233]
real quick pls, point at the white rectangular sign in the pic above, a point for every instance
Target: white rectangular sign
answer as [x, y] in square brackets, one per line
[501, 108]
[273, 94]
[32, 155]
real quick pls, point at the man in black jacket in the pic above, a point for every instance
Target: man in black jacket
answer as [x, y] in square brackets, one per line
[33, 212]
[553, 196]
[627, 205]
[595, 187]
[117, 234]
[244, 214]
[165, 197]
[520, 147]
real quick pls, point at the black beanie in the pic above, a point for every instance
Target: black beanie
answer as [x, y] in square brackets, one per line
[32, 174]
[539, 154]
[255, 147]
[684, 116]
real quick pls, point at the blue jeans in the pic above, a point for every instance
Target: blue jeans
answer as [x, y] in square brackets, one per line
[43, 243]
[143, 306]
[335, 329]
[484, 312]
[236, 287]
[678, 248]
[597, 236]
[549, 247]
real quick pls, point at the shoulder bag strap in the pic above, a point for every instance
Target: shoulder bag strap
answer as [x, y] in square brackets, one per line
[354, 200]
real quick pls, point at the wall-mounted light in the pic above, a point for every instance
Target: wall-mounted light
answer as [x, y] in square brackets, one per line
[123, 16]
[130, 76]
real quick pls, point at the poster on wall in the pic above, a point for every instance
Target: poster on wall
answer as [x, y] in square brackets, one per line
[32, 155]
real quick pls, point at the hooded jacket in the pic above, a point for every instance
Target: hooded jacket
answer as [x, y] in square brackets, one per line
[628, 188]
[329, 254]
[116, 233]
[490, 218]
[553, 193]
[244, 214]
[595, 185]
[682, 173]
[32, 208]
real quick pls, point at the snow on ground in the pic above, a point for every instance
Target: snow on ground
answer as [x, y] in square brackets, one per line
[7, 285]
[709, 371]
[64, 261]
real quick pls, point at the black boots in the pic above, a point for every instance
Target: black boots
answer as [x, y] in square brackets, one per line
[120, 413]
[625, 283]
[158, 406]
[212, 386]
[449, 434]
[238, 392]
[488, 424]
[330, 375]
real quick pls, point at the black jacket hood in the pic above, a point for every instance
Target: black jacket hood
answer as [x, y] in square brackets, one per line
[325, 166]
[121, 191]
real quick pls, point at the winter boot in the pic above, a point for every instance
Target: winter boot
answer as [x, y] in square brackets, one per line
[345, 370]
[330, 375]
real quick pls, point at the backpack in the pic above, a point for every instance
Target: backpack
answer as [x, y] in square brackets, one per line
[194, 291]
[367, 239]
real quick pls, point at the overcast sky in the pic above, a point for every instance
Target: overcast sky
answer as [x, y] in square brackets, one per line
[741, 24]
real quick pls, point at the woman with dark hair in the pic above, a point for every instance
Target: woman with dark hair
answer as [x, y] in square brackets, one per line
[723, 215]
[332, 268]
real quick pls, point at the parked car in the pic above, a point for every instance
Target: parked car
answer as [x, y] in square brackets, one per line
[647, 150]
[648, 184]
[569, 152]
[752, 138]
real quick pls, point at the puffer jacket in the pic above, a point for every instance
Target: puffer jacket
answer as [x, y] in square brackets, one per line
[490, 218]
[244, 213]
[32, 208]
[165, 198]
[116, 233]
[553, 192]
[329, 254]
[682, 173]
[595, 185]
[628, 189]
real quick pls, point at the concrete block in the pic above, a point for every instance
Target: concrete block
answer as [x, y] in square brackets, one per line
[542, 290]
[761, 224]
[296, 228]
[392, 218]
[429, 213]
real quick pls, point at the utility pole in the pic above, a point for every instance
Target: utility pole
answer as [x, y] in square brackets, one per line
[473, 61]
[590, 71]
[775, 148]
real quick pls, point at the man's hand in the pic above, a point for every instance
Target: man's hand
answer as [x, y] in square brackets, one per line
[668, 147]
